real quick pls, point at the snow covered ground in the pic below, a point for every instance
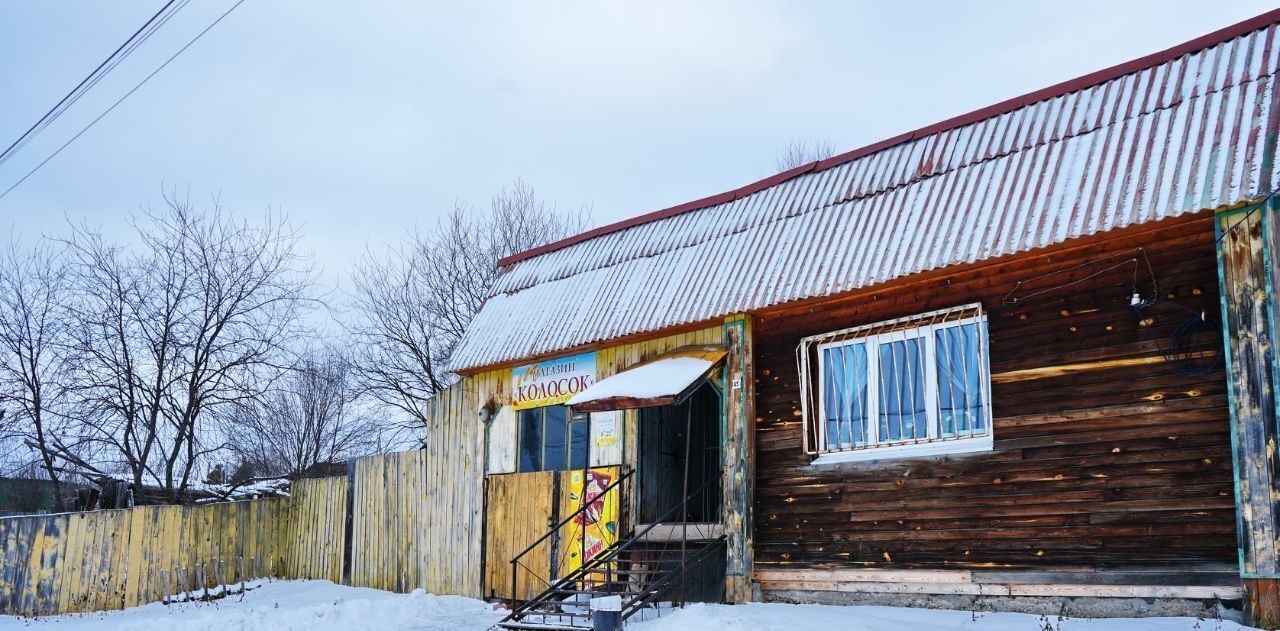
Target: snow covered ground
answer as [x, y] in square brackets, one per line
[779, 617]
[323, 606]
[285, 606]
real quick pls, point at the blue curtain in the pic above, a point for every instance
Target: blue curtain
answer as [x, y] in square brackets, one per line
[960, 406]
[903, 414]
[846, 396]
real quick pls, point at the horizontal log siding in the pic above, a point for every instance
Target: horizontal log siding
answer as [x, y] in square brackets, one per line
[1114, 461]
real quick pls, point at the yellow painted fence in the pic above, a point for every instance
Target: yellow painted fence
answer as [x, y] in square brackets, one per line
[102, 560]
[74, 562]
[415, 518]
[524, 506]
[413, 526]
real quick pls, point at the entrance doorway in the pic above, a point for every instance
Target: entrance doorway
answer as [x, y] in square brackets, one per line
[663, 448]
[667, 434]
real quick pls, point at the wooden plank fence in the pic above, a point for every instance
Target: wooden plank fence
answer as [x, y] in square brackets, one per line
[104, 560]
[415, 521]
[521, 509]
[417, 516]
[101, 560]
[318, 529]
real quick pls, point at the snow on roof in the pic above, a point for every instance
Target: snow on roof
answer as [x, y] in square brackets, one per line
[666, 376]
[1173, 133]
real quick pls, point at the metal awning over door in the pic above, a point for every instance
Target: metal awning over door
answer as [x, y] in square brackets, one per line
[664, 380]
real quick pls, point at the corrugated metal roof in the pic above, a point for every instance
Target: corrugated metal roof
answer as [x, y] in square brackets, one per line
[1194, 131]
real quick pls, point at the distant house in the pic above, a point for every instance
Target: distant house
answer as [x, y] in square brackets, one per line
[323, 470]
[1026, 354]
[21, 496]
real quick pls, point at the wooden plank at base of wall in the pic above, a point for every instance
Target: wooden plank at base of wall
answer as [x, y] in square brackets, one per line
[1130, 591]
[964, 583]
[974, 589]
[993, 589]
[869, 575]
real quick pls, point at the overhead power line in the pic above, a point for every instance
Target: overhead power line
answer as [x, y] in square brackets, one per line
[123, 98]
[119, 54]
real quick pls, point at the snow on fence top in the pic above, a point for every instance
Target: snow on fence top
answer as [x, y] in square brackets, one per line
[1183, 130]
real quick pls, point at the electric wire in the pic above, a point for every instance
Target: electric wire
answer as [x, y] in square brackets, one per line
[1010, 299]
[122, 99]
[103, 69]
[131, 47]
[1189, 347]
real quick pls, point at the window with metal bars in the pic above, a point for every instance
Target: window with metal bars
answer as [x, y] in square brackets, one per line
[909, 386]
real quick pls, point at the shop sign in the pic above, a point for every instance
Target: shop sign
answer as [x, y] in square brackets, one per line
[551, 382]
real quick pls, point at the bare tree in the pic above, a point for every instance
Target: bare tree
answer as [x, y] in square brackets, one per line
[799, 152]
[33, 290]
[412, 303]
[195, 320]
[308, 418]
[394, 328]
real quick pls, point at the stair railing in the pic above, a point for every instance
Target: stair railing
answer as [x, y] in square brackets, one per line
[681, 508]
[586, 503]
[668, 580]
[604, 562]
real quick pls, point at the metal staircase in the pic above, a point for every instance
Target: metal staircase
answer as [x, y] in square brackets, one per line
[645, 568]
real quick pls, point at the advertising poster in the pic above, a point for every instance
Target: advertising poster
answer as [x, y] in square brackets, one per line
[596, 528]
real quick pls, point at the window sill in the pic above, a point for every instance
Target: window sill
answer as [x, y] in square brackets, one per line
[938, 448]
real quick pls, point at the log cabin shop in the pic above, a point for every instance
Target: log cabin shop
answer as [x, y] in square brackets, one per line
[1023, 356]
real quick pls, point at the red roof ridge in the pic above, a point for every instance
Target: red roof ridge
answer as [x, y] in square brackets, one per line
[1003, 107]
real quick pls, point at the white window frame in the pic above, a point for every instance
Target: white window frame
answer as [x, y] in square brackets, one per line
[923, 326]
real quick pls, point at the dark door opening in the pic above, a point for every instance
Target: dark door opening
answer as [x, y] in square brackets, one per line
[662, 459]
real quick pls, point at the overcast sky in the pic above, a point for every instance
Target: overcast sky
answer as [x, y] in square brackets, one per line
[361, 119]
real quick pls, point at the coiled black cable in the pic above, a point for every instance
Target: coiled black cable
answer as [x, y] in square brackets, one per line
[1191, 347]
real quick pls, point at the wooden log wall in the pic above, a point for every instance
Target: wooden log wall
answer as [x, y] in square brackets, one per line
[1104, 456]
